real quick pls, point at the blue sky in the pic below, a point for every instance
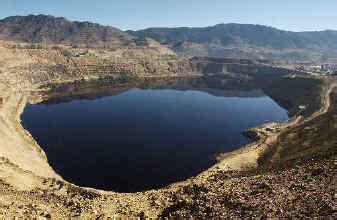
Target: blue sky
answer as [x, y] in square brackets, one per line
[294, 15]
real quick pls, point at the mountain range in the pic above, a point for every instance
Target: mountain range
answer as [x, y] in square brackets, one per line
[246, 41]
[256, 35]
[58, 30]
[222, 40]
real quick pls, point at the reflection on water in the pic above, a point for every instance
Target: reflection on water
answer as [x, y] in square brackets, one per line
[132, 139]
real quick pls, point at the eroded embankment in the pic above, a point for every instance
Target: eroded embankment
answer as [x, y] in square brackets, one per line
[22, 160]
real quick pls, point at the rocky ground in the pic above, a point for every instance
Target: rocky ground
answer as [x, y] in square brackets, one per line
[288, 171]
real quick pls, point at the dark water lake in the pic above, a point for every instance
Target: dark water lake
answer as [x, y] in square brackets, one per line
[142, 139]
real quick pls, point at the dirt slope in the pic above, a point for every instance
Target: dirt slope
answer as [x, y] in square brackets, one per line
[297, 184]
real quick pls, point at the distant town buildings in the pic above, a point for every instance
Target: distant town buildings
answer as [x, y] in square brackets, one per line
[326, 69]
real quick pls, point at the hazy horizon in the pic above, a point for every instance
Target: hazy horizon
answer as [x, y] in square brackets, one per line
[168, 26]
[302, 15]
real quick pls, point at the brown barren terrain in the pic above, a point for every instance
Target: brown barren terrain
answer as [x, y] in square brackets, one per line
[287, 171]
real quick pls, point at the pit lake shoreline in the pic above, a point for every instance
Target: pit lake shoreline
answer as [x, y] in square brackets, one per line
[245, 158]
[236, 187]
[168, 124]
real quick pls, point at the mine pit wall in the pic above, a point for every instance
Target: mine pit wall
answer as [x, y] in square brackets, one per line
[22, 161]
[259, 71]
[207, 67]
[289, 87]
[19, 151]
